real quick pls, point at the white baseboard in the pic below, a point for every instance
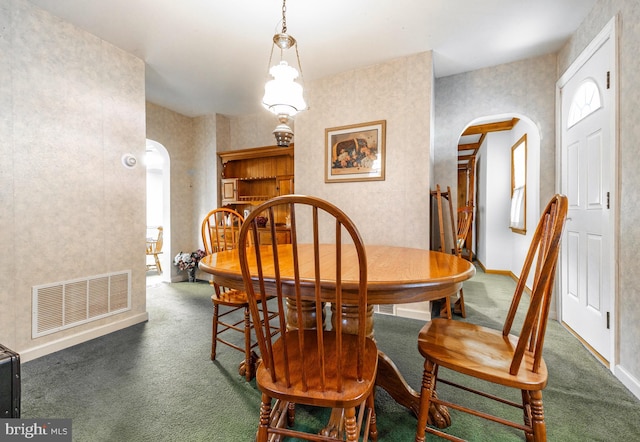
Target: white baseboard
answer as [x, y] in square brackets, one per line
[628, 380]
[413, 313]
[69, 341]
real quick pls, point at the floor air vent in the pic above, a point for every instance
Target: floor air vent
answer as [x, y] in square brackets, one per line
[62, 305]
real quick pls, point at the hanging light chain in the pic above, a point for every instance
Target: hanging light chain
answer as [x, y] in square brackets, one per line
[284, 16]
[271, 58]
[299, 66]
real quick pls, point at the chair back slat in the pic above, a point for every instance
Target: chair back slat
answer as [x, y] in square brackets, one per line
[538, 322]
[155, 245]
[338, 302]
[159, 240]
[465, 215]
[544, 251]
[318, 229]
[220, 230]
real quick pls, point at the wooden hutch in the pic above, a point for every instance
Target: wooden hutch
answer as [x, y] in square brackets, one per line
[251, 176]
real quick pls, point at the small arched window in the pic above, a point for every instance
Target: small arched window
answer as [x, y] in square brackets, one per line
[586, 100]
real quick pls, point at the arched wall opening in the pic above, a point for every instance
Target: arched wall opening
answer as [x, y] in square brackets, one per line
[158, 166]
[496, 247]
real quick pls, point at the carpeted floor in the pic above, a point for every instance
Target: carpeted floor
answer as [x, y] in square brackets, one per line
[155, 381]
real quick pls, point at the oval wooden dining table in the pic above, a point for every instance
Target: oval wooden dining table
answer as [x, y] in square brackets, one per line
[395, 275]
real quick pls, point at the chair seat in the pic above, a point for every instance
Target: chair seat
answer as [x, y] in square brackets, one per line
[232, 298]
[353, 393]
[480, 352]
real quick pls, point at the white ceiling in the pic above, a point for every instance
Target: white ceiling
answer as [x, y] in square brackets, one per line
[208, 56]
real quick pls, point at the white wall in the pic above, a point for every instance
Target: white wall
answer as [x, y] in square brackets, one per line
[521, 243]
[500, 249]
[496, 241]
[154, 198]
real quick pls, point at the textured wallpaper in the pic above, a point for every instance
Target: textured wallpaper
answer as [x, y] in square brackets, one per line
[524, 88]
[176, 134]
[253, 130]
[396, 210]
[72, 106]
[7, 214]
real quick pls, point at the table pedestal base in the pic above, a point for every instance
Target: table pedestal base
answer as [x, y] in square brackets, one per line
[390, 379]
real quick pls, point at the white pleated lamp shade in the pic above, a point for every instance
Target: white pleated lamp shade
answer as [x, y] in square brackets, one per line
[282, 95]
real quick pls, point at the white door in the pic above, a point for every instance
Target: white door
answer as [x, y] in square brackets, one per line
[587, 177]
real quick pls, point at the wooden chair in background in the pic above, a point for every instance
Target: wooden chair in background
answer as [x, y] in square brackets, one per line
[496, 356]
[465, 215]
[154, 248]
[458, 308]
[220, 231]
[314, 365]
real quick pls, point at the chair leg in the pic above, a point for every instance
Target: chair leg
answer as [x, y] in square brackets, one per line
[214, 331]
[351, 424]
[265, 417]
[526, 411]
[248, 358]
[158, 266]
[291, 414]
[537, 416]
[445, 310]
[459, 305]
[427, 389]
[373, 426]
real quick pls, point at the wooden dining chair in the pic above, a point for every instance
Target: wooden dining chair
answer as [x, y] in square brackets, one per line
[500, 357]
[220, 231]
[465, 215]
[318, 364]
[154, 248]
[458, 307]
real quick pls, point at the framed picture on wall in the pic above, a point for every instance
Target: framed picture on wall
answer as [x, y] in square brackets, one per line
[355, 152]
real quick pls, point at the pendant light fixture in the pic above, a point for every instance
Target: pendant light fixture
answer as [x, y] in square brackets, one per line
[283, 95]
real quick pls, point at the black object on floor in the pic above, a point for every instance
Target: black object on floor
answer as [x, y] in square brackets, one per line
[9, 383]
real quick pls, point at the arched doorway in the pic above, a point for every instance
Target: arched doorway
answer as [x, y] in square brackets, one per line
[485, 181]
[158, 204]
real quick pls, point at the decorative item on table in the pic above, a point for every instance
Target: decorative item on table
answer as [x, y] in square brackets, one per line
[261, 221]
[189, 262]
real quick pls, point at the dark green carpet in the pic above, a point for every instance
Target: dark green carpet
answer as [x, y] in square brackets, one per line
[155, 382]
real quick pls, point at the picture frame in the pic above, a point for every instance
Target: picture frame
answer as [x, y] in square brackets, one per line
[355, 152]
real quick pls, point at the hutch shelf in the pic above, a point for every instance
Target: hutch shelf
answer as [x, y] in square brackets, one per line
[252, 176]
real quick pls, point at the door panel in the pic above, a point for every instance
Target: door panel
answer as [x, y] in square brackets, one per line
[587, 148]
[594, 266]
